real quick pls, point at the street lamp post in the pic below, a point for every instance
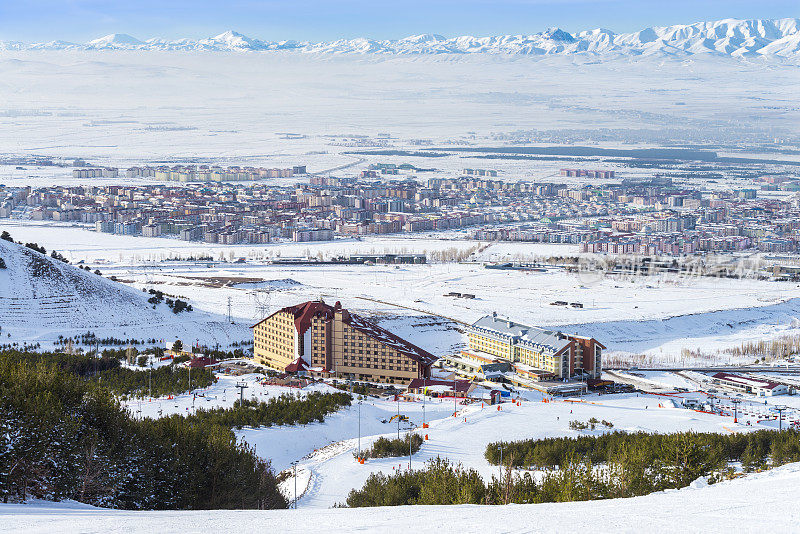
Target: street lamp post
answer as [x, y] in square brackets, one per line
[398, 416]
[736, 410]
[359, 428]
[423, 402]
[411, 427]
[501, 462]
[455, 396]
[294, 469]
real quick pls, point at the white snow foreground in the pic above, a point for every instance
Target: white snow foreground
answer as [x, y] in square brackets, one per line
[731, 37]
[759, 502]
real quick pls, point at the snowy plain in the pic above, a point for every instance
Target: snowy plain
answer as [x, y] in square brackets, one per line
[235, 107]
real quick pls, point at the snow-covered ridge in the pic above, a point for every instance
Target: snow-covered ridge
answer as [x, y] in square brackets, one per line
[728, 37]
[41, 297]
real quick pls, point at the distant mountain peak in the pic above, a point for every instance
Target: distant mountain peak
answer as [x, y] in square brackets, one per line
[727, 37]
[230, 34]
[423, 38]
[119, 39]
[557, 34]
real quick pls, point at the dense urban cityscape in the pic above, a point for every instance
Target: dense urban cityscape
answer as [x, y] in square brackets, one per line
[648, 216]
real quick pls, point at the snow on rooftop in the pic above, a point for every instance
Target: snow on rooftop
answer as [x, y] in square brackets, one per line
[387, 338]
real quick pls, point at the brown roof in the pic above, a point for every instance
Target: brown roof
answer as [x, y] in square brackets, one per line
[298, 365]
[397, 343]
[201, 361]
[303, 313]
[420, 383]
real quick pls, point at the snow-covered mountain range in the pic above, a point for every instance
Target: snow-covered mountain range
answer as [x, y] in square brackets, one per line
[729, 37]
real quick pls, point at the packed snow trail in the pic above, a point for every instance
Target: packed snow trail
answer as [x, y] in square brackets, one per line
[463, 439]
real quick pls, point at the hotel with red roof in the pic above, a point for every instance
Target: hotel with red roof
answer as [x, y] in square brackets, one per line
[330, 341]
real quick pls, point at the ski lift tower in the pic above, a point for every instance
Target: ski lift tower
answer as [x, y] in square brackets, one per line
[736, 410]
[242, 386]
[780, 410]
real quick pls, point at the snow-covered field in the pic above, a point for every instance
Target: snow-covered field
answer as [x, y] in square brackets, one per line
[172, 106]
[42, 299]
[658, 316]
[463, 439]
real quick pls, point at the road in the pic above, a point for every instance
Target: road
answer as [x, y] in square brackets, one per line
[358, 161]
[420, 310]
[717, 369]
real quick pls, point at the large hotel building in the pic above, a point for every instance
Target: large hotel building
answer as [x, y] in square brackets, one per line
[538, 353]
[331, 341]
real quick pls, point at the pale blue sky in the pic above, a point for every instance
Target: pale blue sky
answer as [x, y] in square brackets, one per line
[81, 20]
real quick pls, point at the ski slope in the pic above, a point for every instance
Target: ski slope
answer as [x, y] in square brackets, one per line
[463, 439]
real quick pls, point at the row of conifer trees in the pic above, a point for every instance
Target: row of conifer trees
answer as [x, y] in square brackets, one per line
[64, 435]
[613, 465]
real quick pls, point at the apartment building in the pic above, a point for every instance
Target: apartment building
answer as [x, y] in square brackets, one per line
[331, 341]
[302, 235]
[95, 172]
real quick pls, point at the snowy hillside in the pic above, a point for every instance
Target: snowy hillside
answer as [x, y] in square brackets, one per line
[724, 507]
[728, 37]
[42, 298]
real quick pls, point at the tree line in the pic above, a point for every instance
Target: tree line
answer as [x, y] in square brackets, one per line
[64, 437]
[158, 382]
[701, 450]
[283, 410]
[392, 448]
[124, 382]
[610, 466]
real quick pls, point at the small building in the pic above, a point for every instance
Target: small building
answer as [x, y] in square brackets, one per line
[496, 396]
[441, 388]
[201, 362]
[151, 230]
[495, 371]
[298, 367]
[749, 384]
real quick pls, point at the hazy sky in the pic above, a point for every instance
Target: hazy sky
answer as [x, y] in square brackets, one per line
[81, 20]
